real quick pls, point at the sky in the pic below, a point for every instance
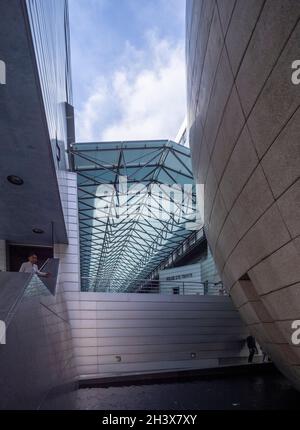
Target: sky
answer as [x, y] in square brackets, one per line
[128, 68]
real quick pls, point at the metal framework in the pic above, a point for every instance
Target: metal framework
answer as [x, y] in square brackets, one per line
[135, 199]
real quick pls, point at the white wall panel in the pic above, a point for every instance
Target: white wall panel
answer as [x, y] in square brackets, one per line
[118, 334]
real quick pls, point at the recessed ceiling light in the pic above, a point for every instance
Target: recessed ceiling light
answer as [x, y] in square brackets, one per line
[38, 230]
[15, 180]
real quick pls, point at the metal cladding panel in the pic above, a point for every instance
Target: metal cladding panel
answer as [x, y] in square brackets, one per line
[127, 333]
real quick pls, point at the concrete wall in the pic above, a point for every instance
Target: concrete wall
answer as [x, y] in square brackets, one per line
[120, 334]
[244, 121]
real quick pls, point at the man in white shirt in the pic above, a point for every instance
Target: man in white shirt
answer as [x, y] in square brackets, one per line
[31, 266]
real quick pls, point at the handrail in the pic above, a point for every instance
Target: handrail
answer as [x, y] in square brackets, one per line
[44, 264]
[51, 265]
[162, 286]
[156, 280]
[191, 240]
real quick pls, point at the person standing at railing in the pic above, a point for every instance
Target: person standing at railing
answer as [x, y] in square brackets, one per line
[222, 291]
[31, 266]
[251, 343]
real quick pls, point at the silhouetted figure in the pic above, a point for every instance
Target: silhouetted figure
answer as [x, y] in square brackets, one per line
[252, 348]
[265, 356]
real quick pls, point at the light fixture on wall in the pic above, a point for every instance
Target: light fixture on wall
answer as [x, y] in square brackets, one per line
[38, 230]
[15, 180]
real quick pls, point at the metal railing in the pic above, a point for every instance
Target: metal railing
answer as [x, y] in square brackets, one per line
[150, 286]
[178, 252]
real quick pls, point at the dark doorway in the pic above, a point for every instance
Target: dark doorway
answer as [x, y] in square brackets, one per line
[18, 254]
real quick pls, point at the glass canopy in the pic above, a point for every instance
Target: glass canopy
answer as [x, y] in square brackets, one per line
[136, 203]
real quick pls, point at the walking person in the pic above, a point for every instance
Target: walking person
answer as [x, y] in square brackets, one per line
[251, 343]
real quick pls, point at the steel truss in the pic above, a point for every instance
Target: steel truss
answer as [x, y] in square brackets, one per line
[122, 237]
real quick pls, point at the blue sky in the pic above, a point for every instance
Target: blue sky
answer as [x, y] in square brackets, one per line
[128, 68]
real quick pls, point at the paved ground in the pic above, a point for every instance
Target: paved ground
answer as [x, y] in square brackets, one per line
[251, 392]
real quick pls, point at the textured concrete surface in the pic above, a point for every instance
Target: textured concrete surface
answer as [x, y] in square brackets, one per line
[243, 118]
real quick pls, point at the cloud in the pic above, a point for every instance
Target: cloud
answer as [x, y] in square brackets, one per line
[143, 98]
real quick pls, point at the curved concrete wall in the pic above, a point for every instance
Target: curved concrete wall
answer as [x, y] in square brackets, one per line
[244, 125]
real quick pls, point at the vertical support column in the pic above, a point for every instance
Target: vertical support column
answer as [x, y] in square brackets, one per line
[68, 283]
[69, 270]
[2, 256]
